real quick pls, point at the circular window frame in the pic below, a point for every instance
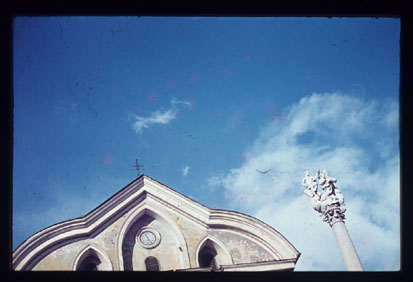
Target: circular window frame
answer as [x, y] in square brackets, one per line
[154, 244]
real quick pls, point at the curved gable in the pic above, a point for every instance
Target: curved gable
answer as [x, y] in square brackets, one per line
[181, 223]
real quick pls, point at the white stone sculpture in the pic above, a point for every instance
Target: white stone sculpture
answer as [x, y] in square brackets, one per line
[310, 182]
[330, 204]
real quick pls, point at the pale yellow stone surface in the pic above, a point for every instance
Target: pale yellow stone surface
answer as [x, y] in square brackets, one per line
[181, 233]
[62, 258]
[241, 248]
[168, 252]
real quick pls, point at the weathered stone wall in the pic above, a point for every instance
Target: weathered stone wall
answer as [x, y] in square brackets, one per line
[62, 258]
[169, 252]
[186, 228]
[193, 235]
[242, 249]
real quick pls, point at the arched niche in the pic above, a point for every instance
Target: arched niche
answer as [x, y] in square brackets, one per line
[151, 264]
[90, 258]
[212, 253]
[142, 219]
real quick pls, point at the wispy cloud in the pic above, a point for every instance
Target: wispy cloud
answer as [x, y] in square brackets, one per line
[214, 181]
[185, 104]
[235, 119]
[185, 171]
[157, 117]
[347, 136]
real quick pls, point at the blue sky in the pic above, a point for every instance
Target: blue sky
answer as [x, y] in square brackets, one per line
[203, 103]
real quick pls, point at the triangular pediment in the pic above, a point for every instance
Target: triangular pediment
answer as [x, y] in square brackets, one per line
[144, 189]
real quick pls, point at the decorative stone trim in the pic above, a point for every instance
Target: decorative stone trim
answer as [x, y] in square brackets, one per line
[221, 250]
[333, 214]
[276, 265]
[285, 265]
[107, 263]
[140, 211]
[141, 192]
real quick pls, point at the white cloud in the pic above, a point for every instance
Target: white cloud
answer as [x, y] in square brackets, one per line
[215, 181]
[141, 123]
[185, 171]
[186, 104]
[345, 135]
[157, 117]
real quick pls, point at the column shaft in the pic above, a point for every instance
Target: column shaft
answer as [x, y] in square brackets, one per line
[348, 252]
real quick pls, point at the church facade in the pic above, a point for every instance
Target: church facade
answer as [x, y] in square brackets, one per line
[147, 226]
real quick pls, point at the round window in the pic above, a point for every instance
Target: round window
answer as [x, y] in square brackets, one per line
[148, 238]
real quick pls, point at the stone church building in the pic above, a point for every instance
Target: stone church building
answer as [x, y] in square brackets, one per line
[147, 226]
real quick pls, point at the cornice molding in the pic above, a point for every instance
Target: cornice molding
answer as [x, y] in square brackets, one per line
[138, 191]
[285, 265]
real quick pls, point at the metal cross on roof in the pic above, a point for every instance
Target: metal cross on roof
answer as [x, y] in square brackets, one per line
[137, 167]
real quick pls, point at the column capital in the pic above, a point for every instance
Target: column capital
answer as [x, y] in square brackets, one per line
[333, 214]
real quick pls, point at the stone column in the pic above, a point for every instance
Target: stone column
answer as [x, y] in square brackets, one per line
[334, 216]
[347, 250]
[330, 205]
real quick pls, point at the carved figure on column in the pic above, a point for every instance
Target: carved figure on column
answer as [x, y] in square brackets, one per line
[310, 182]
[330, 204]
